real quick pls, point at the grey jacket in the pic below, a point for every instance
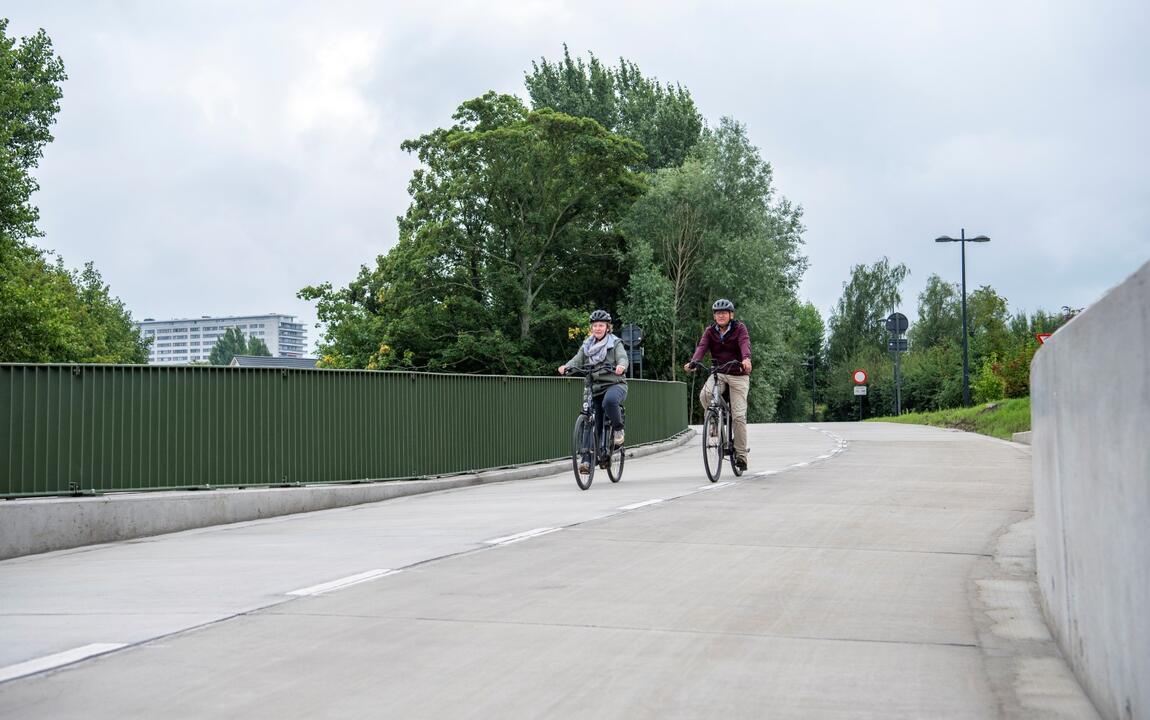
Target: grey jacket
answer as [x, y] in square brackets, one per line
[603, 380]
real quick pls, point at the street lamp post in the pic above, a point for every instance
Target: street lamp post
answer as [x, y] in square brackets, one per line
[963, 239]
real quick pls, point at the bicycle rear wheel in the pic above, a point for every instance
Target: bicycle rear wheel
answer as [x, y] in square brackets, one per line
[729, 444]
[713, 442]
[615, 460]
[582, 449]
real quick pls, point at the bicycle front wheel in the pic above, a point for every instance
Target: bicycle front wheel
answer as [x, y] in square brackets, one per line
[615, 460]
[713, 441]
[583, 451]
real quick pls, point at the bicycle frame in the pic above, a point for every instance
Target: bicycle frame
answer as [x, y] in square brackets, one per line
[599, 450]
[722, 408]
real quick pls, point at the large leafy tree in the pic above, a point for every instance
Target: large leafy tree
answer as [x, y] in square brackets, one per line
[857, 322]
[805, 345]
[660, 117]
[858, 337]
[30, 77]
[939, 316]
[714, 228]
[510, 237]
[47, 313]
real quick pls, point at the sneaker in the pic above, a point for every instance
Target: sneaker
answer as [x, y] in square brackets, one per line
[584, 468]
[741, 462]
[618, 438]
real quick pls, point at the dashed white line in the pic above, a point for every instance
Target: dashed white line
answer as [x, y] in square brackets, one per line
[342, 582]
[634, 506]
[716, 485]
[508, 539]
[49, 662]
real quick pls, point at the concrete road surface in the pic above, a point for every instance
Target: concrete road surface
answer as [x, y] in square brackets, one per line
[857, 570]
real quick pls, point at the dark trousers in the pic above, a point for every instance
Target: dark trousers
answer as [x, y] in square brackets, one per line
[609, 404]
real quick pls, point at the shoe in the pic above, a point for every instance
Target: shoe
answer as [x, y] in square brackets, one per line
[741, 462]
[618, 438]
[584, 468]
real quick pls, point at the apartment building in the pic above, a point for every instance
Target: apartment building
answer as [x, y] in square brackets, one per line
[188, 340]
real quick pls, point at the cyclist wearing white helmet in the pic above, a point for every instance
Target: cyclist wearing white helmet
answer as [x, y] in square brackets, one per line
[610, 385]
[728, 341]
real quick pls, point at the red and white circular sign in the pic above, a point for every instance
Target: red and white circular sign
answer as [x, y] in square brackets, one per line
[859, 376]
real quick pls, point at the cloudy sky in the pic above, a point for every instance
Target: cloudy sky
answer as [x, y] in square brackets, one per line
[214, 157]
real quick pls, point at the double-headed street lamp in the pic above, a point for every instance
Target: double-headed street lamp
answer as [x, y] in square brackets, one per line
[965, 363]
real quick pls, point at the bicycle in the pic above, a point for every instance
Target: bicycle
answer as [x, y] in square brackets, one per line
[588, 446]
[718, 427]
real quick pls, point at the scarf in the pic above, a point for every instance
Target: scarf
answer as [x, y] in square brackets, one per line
[596, 352]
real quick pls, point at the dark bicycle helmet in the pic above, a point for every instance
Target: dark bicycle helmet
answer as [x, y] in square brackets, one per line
[601, 316]
[723, 304]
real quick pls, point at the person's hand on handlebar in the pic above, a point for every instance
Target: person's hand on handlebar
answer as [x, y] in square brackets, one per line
[562, 369]
[690, 366]
[619, 369]
[746, 365]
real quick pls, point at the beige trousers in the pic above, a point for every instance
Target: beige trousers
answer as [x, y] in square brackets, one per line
[739, 385]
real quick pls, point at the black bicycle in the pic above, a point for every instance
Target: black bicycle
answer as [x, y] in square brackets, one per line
[590, 449]
[718, 426]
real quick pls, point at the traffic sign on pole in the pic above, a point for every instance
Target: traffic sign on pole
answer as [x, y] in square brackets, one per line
[1042, 337]
[859, 376]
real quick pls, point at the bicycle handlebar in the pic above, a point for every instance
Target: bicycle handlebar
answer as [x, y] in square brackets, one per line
[585, 370]
[716, 369]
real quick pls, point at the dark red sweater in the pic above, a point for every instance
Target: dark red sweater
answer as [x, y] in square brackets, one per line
[734, 345]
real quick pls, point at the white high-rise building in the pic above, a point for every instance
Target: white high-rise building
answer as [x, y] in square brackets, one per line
[185, 341]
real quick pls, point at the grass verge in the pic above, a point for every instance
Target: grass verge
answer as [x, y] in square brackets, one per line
[999, 419]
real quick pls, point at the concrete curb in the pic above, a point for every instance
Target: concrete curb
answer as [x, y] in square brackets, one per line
[39, 525]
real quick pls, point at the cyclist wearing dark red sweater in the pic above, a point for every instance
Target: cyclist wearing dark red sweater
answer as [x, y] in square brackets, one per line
[727, 340]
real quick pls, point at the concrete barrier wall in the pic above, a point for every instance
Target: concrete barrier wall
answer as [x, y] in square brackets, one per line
[1090, 404]
[37, 525]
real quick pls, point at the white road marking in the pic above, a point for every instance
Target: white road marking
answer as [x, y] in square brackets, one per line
[49, 662]
[342, 582]
[634, 506]
[712, 486]
[508, 539]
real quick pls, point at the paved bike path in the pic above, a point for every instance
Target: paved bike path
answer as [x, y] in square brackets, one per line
[892, 579]
[127, 592]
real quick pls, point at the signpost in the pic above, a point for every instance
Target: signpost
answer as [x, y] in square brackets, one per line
[860, 377]
[897, 324]
[632, 337]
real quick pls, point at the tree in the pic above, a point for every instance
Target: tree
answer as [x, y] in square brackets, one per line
[233, 342]
[53, 315]
[30, 77]
[805, 349]
[987, 319]
[939, 316]
[258, 348]
[713, 228]
[857, 323]
[858, 337]
[47, 313]
[660, 117]
[511, 229]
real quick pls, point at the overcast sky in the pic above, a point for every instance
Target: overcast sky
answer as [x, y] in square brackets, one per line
[215, 157]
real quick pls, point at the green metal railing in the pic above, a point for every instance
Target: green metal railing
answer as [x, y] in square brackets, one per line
[107, 428]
